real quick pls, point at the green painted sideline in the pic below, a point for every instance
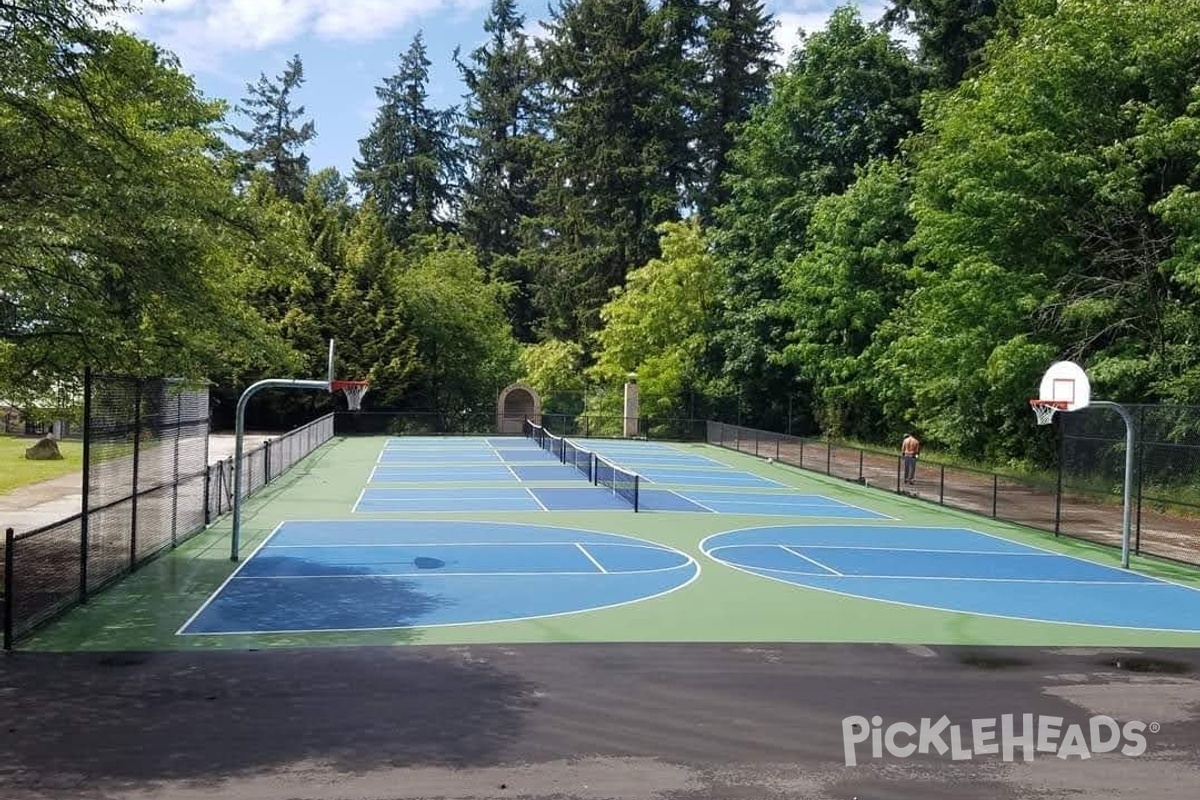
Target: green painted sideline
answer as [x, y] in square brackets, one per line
[722, 605]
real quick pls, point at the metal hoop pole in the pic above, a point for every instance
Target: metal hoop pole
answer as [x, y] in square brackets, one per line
[240, 428]
[1129, 469]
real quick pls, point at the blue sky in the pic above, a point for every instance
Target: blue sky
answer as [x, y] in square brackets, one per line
[349, 46]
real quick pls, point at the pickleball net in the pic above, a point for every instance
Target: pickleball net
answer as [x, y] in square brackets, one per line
[623, 483]
[598, 470]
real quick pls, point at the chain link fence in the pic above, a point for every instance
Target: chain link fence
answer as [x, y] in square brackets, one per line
[1081, 499]
[147, 487]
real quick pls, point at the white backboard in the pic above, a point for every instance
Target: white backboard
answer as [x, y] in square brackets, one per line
[1066, 381]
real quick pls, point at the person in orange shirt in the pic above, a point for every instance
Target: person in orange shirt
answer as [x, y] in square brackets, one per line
[910, 448]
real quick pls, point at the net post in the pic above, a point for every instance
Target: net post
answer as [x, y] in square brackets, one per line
[636, 492]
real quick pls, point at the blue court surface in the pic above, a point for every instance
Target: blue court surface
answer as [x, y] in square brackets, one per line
[373, 575]
[957, 569]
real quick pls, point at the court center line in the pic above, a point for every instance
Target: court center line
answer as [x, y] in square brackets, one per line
[536, 499]
[437, 574]
[560, 543]
[811, 560]
[583, 550]
[890, 549]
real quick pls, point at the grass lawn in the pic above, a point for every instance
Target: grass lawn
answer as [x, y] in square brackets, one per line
[17, 471]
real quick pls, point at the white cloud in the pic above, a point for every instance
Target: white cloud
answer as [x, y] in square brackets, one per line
[202, 32]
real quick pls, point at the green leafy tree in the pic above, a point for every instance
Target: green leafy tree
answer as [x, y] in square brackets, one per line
[465, 349]
[657, 326]
[120, 240]
[554, 368]
[849, 95]
[841, 290]
[274, 141]
[1050, 205]
[409, 161]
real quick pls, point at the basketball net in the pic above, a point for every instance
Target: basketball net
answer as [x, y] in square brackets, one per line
[353, 390]
[1046, 409]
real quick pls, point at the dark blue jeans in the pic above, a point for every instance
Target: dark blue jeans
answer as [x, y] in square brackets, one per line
[910, 468]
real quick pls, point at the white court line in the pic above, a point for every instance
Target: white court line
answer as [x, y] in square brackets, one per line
[536, 499]
[890, 550]
[825, 567]
[361, 495]
[340, 545]
[860, 508]
[688, 561]
[945, 609]
[436, 574]
[961, 579]
[781, 502]
[225, 582]
[692, 501]
[583, 550]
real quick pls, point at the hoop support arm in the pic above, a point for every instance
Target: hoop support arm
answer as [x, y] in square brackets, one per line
[240, 427]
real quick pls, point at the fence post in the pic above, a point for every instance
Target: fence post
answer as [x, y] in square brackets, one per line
[828, 457]
[175, 472]
[137, 449]
[777, 449]
[207, 495]
[266, 462]
[1062, 460]
[83, 503]
[8, 588]
[995, 492]
[942, 485]
[1141, 471]
[899, 464]
[861, 453]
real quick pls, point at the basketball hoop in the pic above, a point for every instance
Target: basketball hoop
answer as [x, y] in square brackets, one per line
[354, 391]
[1046, 409]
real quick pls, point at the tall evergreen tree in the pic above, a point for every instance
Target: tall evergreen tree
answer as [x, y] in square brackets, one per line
[612, 169]
[409, 160]
[501, 133]
[737, 49]
[273, 140]
[950, 34]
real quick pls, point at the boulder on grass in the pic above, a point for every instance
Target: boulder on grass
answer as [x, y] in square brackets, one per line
[45, 450]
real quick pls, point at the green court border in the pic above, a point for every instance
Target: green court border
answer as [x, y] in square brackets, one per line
[723, 604]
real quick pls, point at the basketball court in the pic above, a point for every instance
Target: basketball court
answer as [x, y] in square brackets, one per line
[538, 616]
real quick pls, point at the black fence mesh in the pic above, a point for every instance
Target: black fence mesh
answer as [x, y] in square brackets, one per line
[1082, 500]
[1166, 488]
[149, 487]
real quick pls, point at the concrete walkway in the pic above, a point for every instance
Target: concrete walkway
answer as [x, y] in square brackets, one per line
[45, 503]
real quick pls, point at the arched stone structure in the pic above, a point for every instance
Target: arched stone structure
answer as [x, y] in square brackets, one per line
[516, 403]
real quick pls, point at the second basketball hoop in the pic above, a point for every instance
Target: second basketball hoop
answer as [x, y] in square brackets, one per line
[1065, 387]
[353, 390]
